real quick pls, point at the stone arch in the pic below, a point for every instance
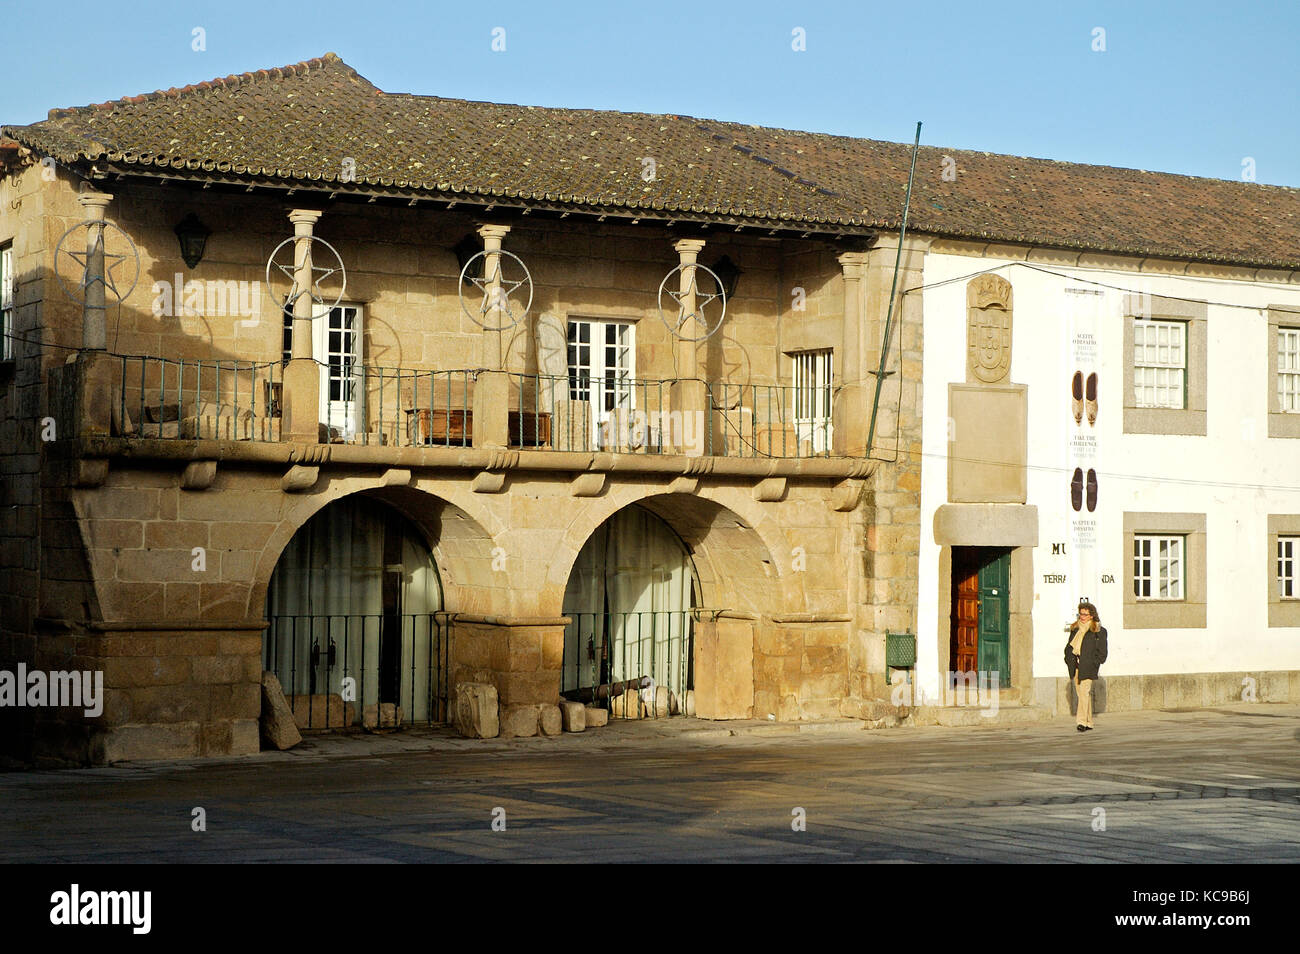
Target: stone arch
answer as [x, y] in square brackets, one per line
[740, 554]
[734, 546]
[462, 548]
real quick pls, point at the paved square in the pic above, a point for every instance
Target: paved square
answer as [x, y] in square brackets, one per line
[1196, 786]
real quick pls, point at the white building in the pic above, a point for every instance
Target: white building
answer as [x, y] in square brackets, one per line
[1167, 493]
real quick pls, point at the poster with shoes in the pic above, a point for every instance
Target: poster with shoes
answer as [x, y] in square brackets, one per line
[1086, 316]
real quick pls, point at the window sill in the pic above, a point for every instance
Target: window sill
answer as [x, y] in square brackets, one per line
[1284, 424]
[1164, 420]
[1284, 612]
[1163, 614]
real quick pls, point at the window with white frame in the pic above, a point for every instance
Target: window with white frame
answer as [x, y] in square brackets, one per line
[1160, 363]
[1287, 549]
[1288, 370]
[812, 398]
[343, 351]
[6, 303]
[1158, 569]
[336, 346]
[602, 365]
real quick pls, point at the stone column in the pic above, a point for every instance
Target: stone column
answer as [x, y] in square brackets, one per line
[301, 410]
[850, 410]
[97, 378]
[688, 397]
[688, 251]
[94, 333]
[493, 343]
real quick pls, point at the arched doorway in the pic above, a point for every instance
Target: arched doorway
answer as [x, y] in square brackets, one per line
[356, 632]
[630, 596]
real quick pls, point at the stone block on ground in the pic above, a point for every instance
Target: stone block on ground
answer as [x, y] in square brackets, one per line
[476, 710]
[595, 718]
[869, 710]
[278, 726]
[518, 722]
[549, 720]
[663, 702]
[573, 716]
[688, 703]
[626, 706]
[385, 715]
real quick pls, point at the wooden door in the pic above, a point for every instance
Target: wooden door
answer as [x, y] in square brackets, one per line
[965, 610]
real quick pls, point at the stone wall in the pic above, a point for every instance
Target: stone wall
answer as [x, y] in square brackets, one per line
[888, 524]
[801, 670]
[106, 550]
[179, 641]
[1171, 691]
[26, 198]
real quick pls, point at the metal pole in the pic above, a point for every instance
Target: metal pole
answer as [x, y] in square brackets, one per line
[889, 314]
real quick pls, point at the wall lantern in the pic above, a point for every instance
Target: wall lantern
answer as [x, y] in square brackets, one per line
[194, 239]
[466, 249]
[729, 274]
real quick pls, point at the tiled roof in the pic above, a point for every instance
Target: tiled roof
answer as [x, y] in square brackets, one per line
[297, 124]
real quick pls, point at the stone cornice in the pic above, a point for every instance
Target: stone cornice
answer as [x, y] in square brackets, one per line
[473, 459]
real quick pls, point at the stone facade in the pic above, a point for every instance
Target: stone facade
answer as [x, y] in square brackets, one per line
[104, 526]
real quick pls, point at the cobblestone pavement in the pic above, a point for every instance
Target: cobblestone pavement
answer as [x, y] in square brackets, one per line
[1199, 786]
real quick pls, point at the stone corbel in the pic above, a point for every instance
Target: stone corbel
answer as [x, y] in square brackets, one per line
[91, 472]
[845, 495]
[587, 485]
[488, 482]
[299, 479]
[397, 477]
[684, 485]
[770, 490]
[199, 475]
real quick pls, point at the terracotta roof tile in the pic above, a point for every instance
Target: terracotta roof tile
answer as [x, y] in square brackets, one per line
[296, 124]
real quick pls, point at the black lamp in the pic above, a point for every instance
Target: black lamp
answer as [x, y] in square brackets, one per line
[728, 273]
[466, 249]
[194, 239]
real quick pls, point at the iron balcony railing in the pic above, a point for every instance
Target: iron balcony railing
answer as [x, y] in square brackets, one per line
[767, 420]
[177, 398]
[576, 412]
[364, 404]
[647, 654]
[372, 670]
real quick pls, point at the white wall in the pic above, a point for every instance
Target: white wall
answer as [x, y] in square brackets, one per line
[1136, 472]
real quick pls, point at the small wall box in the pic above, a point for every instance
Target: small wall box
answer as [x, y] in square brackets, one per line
[900, 652]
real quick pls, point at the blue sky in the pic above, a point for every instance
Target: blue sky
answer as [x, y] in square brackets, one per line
[1195, 88]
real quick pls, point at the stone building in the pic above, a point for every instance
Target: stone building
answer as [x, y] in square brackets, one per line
[389, 394]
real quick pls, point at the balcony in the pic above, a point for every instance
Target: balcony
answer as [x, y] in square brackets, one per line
[168, 399]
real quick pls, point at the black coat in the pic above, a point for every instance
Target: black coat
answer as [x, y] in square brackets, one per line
[1091, 654]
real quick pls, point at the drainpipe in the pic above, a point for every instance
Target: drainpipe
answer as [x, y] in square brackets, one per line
[889, 314]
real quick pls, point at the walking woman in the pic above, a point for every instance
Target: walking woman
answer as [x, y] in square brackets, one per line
[1084, 654]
